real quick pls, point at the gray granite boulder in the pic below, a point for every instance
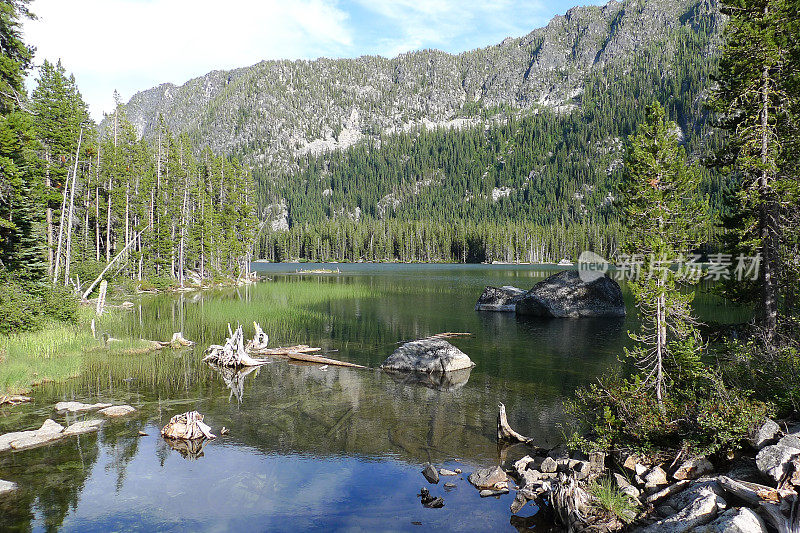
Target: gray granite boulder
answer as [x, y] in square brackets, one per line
[773, 461]
[7, 486]
[492, 478]
[736, 520]
[427, 355]
[566, 295]
[502, 299]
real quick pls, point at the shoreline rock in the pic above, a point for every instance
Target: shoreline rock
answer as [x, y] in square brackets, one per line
[499, 299]
[566, 295]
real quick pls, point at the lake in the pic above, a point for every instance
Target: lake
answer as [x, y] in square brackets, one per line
[311, 448]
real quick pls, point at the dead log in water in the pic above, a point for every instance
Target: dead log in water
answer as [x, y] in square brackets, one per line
[187, 426]
[233, 353]
[14, 399]
[321, 360]
[504, 431]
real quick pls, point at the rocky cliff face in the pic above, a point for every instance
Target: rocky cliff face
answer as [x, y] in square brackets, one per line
[269, 112]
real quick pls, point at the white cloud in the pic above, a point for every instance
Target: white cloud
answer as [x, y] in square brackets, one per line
[453, 24]
[132, 45]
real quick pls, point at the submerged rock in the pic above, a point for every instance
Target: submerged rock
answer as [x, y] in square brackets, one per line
[566, 295]
[117, 410]
[78, 407]
[441, 381]
[503, 299]
[428, 356]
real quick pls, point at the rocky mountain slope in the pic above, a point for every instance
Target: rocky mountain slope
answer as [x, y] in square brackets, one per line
[270, 112]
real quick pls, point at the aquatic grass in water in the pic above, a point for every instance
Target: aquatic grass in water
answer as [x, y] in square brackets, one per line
[51, 354]
[54, 353]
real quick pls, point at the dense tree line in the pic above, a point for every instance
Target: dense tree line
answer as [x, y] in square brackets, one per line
[434, 241]
[545, 169]
[75, 198]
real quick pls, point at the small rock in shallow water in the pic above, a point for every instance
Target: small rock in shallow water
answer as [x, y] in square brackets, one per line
[485, 493]
[430, 473]
[457, 470]
[488, 478]
[86, 426]
[117, 410]
[430, 501]
[446, 472]
[78, 407]
[449, 485]
[7, 486]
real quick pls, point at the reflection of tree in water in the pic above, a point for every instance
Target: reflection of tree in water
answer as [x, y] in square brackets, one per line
[121, 441]
[234, 379]
[50, 482]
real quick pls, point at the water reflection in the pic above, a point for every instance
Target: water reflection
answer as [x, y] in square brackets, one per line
[308, 449]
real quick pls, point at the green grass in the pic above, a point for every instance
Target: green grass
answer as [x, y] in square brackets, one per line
[609, 498]
[56, 352]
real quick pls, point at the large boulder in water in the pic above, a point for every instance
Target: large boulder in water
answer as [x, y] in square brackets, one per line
[499, 299]
[566, 295]
[427, 355]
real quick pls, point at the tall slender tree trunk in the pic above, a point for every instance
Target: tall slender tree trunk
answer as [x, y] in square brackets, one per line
[61, 230]
[67, 259]
[108, 221]
[48, 214]
[766, 216]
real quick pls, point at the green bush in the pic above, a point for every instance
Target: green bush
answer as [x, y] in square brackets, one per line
[26, 305]
[623, 414]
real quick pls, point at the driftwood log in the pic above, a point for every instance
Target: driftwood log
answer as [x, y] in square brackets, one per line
[187, 426]
[14, 399]
[770, 500]
[504, 431]
[260, 339]
[233, 353]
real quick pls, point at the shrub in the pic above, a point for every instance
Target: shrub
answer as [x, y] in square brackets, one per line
[609, 498]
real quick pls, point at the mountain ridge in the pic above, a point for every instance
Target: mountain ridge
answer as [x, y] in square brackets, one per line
[269, 113]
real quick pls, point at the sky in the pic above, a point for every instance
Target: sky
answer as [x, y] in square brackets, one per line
[133, 45]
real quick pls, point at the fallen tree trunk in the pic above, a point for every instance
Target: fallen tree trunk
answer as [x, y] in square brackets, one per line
[187, 426]
[14, 400]
[233, 353]
[321, 360]
[285, 350]
[504, 431]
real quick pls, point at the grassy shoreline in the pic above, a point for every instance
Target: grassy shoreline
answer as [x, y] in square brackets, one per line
[56, 352]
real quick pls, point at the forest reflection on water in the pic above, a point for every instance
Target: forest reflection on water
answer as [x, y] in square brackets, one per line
[308, 447]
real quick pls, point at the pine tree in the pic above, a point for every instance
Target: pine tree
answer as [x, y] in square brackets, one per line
[753, 105]
[663, 219]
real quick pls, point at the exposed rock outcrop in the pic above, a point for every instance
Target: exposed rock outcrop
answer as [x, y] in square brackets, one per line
[502, 299]
[565, 295]
[428, 356]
